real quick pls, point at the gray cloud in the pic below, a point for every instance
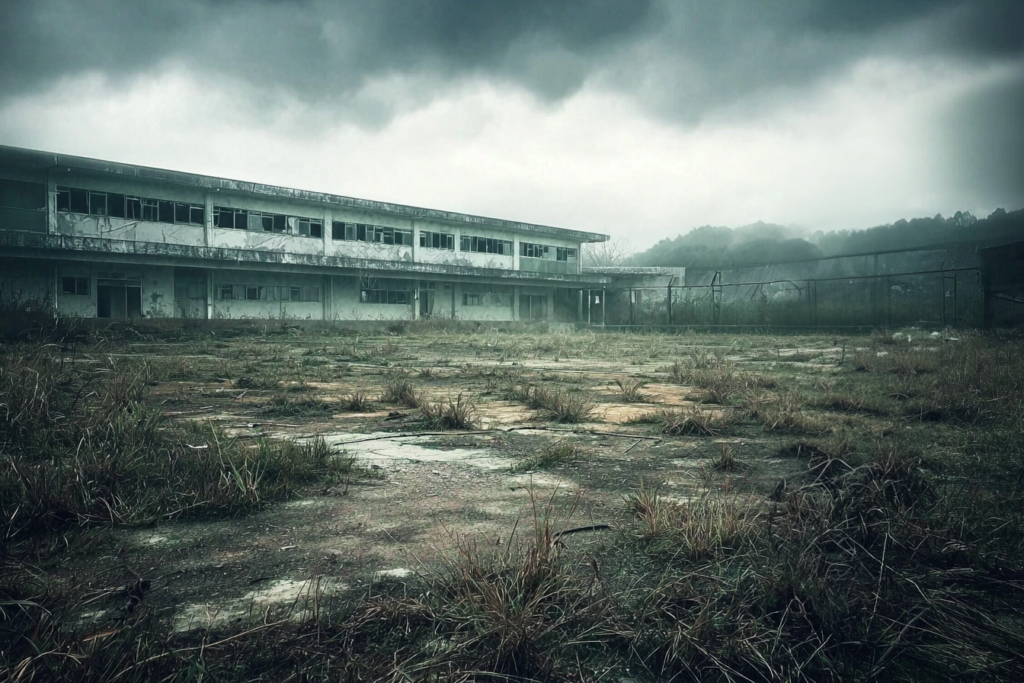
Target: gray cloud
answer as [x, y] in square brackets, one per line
[685, 60]
[697, 56]
[985, 143]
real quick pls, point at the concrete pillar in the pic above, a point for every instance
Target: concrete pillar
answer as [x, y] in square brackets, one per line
[515, 303]
[415, 256]
[208, 219]
[515, 253]
[325, 243]
[211, 288]
[416, 288]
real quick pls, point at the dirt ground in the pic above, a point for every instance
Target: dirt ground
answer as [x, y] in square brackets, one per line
[416, 492]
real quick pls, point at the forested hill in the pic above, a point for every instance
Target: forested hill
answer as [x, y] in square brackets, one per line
[766, 243]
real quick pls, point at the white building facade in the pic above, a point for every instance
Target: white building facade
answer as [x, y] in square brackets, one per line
[109, 240]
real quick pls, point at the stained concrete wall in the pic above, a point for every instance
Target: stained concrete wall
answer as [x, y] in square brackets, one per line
[243, 308]
[345, 303]
[484, 312]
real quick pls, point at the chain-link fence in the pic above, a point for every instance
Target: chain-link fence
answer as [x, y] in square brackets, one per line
[938, 288]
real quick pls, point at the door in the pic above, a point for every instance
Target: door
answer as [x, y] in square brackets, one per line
[118, 298]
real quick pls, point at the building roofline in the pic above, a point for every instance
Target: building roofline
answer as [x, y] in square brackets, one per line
[49, 159]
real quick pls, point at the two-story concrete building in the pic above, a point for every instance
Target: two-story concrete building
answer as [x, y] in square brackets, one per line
[110, 240]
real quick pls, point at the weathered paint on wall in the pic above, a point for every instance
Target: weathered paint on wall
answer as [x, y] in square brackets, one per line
[80, 225]
[245, 308]
[346, 304]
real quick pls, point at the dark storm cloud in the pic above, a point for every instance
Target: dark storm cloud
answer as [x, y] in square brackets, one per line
[985, 142]
[317, 50]
[683, 58]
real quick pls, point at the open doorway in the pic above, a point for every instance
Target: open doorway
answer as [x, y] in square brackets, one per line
[118, 298]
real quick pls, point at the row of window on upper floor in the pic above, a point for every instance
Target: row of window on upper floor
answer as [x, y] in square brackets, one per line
[543, 251]
[117, 205]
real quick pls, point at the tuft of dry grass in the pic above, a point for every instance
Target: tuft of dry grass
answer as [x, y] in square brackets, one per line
[449, 414]
[356, 402]
[630, 390]
[691, 420]
[398, 389]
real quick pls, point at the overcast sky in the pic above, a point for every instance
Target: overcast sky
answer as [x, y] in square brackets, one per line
[637, 118]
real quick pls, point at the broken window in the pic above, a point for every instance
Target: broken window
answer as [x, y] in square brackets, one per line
[181, 211]
[17, 194]
[487, 245]
[166, 213]
[337, 230]
[133, 208]
[379, 291]
[150, 210]
[79, 201]
[280, 223]
[197, 214]
[437, 240]
[565, 254]
[63, 199]
[241, 220]
[98, 203]
[227, 292]
[75, 286]
[115, 204]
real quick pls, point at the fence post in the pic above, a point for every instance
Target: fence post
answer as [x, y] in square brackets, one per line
[670, 300]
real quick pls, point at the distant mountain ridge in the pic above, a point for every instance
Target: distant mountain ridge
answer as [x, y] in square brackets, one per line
[768, 243]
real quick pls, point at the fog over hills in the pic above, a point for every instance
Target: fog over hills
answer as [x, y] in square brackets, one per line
[766, 243]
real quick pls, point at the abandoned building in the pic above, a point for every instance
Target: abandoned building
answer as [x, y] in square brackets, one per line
[110, 240]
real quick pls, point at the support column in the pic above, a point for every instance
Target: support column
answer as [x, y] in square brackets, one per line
[604, 306]
[211, 287]
[416, 289]
[208, 219]
[515, 303]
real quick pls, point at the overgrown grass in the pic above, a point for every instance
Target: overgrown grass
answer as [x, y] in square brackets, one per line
[78, 446]
[450, 414]
[399, 389]
[893, 553]
[552, 455]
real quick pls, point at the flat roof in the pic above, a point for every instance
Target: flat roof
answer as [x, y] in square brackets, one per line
[36, 158]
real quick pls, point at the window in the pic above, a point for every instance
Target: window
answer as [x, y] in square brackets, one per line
[165, 213]
[565, 254]
[63, 199]
[75, 286]
[150, 210]
[133, 208]
[437, 240]
[79, 201]
[534, 250]
[264, 292]
[376, 291]
[197, 214]
[487, 299]
[17, 194]
[361, 232]
[487, 245]
[190, 290]
[115, 205]
[181, 211]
